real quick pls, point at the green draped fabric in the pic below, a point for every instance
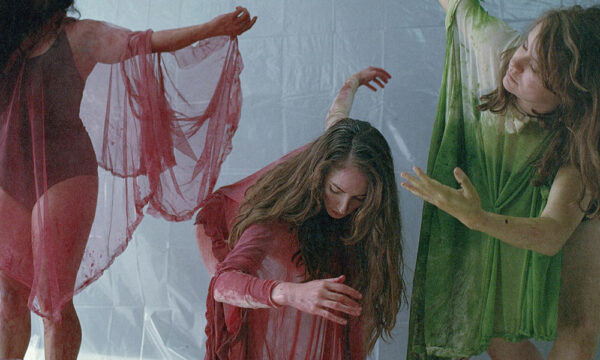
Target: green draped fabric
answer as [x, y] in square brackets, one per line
[469, 287]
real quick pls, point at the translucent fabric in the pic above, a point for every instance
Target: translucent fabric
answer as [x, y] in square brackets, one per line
[218, 214]
[470, 287]
[82, 156]
[245, 323]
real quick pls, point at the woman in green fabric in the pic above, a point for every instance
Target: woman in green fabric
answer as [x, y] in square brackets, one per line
[521, 117]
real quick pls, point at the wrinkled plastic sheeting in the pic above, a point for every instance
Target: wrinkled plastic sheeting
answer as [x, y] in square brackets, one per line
[151, 302]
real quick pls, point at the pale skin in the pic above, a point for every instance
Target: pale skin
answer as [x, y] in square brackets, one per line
[545, 234]
[559, 226]
[91, 42]
[344, 191]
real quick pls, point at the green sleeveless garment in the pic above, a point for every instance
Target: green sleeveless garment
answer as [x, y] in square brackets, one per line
[469, 287]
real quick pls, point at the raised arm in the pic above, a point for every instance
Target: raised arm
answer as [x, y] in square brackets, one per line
[444, 4]
[342, 103]
[545, 234]
[233, 24]
[95, 42]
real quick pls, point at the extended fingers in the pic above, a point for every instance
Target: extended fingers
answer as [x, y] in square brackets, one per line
[419, 185]
[463, 180]
[343, 289]
[331, 316]
[341, 307]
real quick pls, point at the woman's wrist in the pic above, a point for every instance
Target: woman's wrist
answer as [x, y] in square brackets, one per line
[353, 81]
[476, 220]
[279, 294]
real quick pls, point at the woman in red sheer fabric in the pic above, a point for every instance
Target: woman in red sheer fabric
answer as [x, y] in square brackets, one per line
[315, 269]
[63, 219]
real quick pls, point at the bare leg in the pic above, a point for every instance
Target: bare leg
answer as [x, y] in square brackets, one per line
[501, 349]
[63, 339]
[579, 305]
[15, 322]
[70, 206]
[15, 318]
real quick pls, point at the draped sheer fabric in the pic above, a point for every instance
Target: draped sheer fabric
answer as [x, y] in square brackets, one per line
[246, 324]
[158, 128]
[470, 287]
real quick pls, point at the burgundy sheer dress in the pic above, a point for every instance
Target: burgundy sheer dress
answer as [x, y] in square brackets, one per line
[246, 324]
[152, 129]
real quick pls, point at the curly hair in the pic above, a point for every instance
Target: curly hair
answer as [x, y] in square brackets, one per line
[568, 49]
[24, 18]
[369, 238]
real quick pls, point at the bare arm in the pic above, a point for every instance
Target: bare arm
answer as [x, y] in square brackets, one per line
[318, 297]
[324, 297]
[545, 234]
[100, 42]
[233, 24]
[444, 4]
[340, 108]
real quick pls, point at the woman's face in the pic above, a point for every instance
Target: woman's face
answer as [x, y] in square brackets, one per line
[523, 80]
[345, 191]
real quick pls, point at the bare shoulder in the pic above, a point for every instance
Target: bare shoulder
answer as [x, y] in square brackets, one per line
[567, 188]
[93, 29]
[444, 4]
[568, 175]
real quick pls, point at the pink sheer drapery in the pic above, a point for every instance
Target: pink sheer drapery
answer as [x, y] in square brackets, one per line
[246, 324]
[159, 128]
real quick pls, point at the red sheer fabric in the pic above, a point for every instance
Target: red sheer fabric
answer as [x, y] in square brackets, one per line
[245, 324]
[155, 138]
[219, 210]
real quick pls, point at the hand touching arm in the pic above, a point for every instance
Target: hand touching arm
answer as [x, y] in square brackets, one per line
[320, 297]
[545, 234]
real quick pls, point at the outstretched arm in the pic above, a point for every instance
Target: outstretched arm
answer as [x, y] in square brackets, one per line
[233, 24]
[100, 42]
[545, 234]
[342, 104]
[324, 297]
[327, 298]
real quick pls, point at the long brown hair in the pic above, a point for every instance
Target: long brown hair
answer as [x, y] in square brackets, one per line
[370, 237]
[568, 52]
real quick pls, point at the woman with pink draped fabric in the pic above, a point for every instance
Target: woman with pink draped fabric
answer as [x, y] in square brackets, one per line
[79, 94]
[312, 267]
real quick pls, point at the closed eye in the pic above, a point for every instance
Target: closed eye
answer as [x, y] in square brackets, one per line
[334, 189]
[533, 67]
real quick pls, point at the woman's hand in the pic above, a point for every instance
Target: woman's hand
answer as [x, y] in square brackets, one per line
[234, 23]
[464, 203]
[372, 74]
[326, 298]
[342, 104]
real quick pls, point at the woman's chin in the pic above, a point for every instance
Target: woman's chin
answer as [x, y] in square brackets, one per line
[508, 86]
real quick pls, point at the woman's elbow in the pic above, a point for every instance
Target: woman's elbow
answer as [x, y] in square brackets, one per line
[551, 245]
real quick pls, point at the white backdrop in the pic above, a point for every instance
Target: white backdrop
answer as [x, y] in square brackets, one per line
[151, 302]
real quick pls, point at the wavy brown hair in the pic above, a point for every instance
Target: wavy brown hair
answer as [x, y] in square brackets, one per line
[23, 18]
[568, 52]
[369, 238]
